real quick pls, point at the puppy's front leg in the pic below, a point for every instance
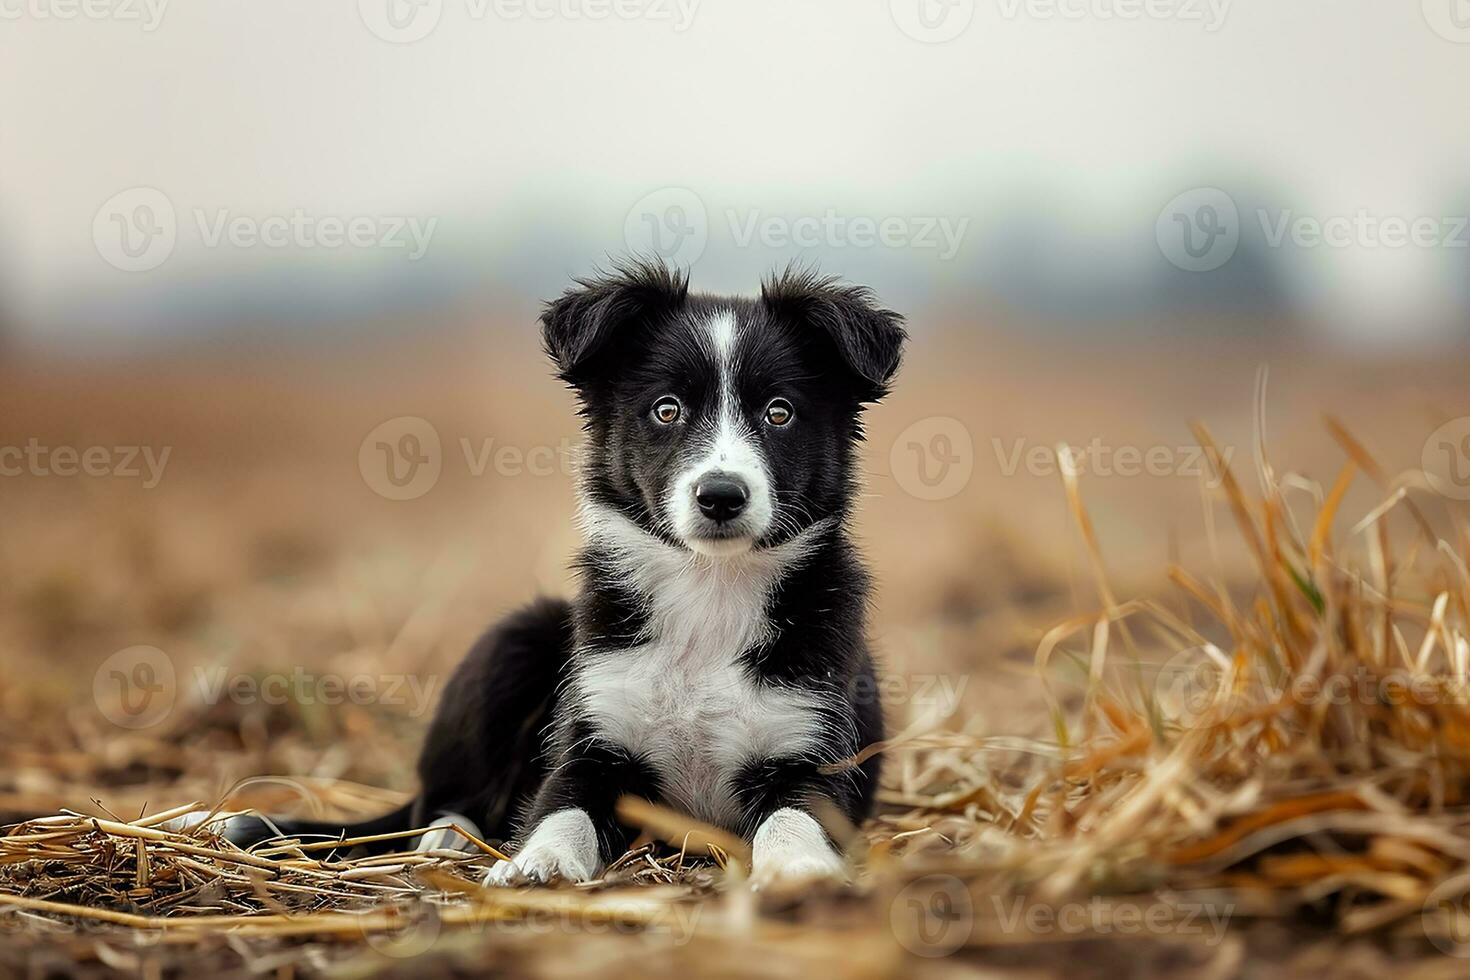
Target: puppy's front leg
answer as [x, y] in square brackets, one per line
[778, 798]
[573, 826]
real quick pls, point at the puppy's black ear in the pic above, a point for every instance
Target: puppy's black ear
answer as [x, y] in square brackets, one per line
[584, 321]
[868, 339]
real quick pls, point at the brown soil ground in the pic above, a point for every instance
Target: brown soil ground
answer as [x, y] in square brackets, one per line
[264, 549]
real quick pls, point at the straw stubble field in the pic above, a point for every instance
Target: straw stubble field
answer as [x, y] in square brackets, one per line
[1175, 699]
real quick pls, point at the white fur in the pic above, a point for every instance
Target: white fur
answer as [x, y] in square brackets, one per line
[722, 329]
[680, 699]
[564, 845]
[439, 836]
[728, 447]
[791, 846]
[221, 824]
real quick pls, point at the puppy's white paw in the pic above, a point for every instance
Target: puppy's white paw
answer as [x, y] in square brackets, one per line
[790, 846]
[442, 836]
[563, 845]
[223, 825]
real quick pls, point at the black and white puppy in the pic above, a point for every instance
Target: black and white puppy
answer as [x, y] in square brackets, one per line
[715, 658]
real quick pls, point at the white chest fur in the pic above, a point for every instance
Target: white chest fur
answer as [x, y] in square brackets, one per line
[695, 718]
[681, 699]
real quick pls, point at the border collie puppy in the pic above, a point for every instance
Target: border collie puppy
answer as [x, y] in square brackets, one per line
[713, 659]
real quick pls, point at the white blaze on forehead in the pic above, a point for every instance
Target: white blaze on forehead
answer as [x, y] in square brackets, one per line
[721, 328]
[732, 434]
[728, 446]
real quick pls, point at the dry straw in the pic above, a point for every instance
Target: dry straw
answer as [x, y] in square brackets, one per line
[1297, 742]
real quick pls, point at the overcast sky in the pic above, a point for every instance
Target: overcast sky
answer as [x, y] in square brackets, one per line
[257, 108]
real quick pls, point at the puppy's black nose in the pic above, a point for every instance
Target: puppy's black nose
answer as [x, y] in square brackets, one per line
[720, 497]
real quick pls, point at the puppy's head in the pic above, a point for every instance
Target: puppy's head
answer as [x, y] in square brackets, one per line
[722, 424]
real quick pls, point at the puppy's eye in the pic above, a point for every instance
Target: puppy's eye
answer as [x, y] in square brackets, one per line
[779, 412]
[666, 410]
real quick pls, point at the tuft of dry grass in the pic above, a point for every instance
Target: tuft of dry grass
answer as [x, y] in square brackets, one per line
[1302, 750]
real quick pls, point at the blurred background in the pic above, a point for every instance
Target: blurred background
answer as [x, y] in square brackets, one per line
[271, 398]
